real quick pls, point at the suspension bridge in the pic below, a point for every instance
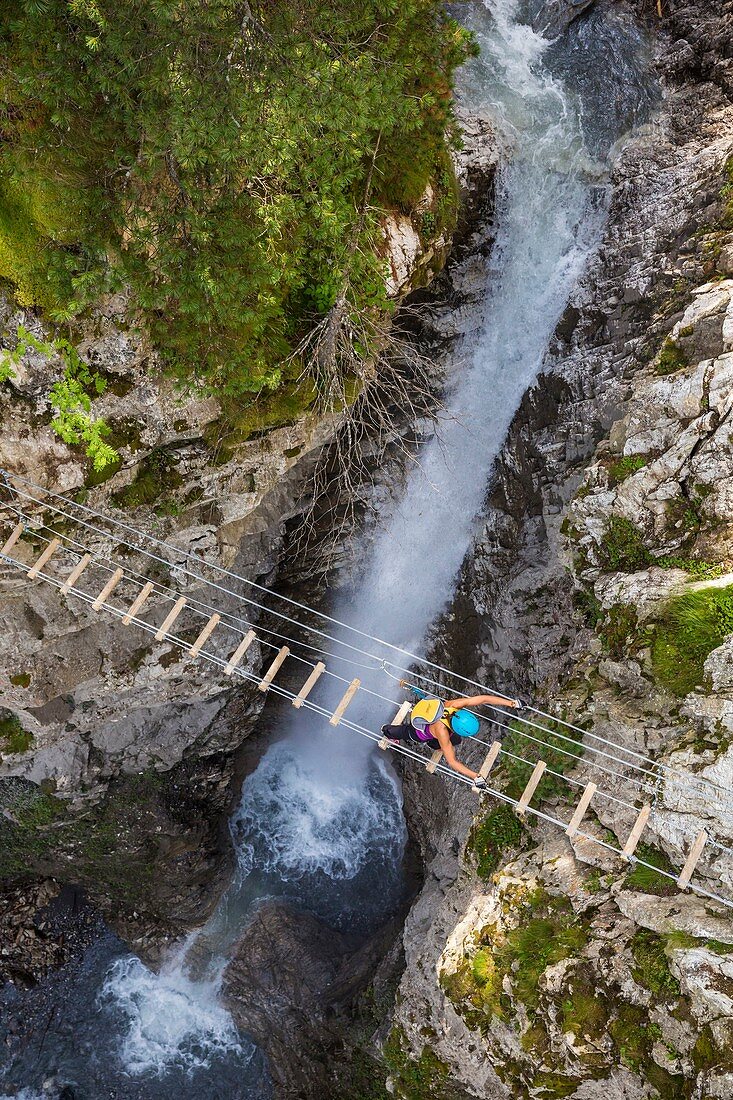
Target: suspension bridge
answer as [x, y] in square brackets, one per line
[215, 616]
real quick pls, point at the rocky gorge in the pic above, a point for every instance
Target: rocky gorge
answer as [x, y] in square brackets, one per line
[527, 964]
[535, 965]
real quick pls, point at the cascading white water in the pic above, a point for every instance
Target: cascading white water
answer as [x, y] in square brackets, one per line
[321, 812]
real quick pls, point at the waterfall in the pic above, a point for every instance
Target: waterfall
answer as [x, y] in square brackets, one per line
[320, 820]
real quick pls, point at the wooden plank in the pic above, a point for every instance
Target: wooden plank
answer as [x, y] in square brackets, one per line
[398, 719]
[308, 686]
[347, 697]
[170, 618]
[489, 761]
[581, 808]
[531, 787]
[75, 573]
[47, 554]
[434, 761]
[14, 536]
[137, 603]
[111, 584]
[630, 846]
[239, 652]
[691, 862]
[207, 631]
[272, 670]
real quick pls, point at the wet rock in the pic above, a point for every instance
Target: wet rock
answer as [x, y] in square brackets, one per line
[555, 16]
[277, 988]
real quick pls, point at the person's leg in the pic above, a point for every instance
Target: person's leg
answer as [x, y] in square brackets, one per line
[403, 732]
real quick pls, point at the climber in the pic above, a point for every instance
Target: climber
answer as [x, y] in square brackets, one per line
[442, 725]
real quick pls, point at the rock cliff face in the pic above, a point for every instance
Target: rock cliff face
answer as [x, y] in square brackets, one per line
[535, 966]
[112, 745]
[116, 755]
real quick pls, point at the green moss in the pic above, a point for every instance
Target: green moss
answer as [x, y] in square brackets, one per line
[498, 831]
[618, 629]
[549, 932]
[535, 1040]
[260, 415]
[425, 1078]
[593, 882]
[691, 627]
[552, 934]
[631, 1035]
[652, 966]
[44, 217]
[13, 736]
[671, 358]
[726, 194]
[474, 988]
[677, 940]
[583, 1010]
[702, 570]
[111, 846]
[554, 1086]
[624, 467]
[683, 512]
[21, 679]
[587, 603]
[622, 547]
[707, 1055]
[515, 773]
[645, 879]
[157, 475]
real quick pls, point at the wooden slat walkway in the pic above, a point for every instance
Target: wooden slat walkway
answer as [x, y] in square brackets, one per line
[196, 650]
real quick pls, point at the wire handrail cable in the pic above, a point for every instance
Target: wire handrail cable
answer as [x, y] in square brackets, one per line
[679, 777]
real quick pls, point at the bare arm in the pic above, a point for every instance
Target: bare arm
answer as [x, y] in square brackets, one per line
[443, 738]
[477, 700]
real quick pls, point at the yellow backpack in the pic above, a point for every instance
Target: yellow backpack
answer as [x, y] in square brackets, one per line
[425, 712]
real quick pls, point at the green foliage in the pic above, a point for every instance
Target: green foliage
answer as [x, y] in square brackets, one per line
[645, 879]
[702, 570]
[622, 548]
[554, 1086]
[584, 1011]
[593, 883]
[73, 421]
[498, 831]
[671, 358]
[634, 1037]
[726, 194]
[156, 475]
[652, 967]
[425, 1078]
[624, 467]
[559, 751]
[551, 933]
[108, 846]
[684, 512]
[619, 627]
[588, 604]
[13, 736]
[223, 156]
[71, 397]
[691, 627]
[44, 212]
[630, 1033]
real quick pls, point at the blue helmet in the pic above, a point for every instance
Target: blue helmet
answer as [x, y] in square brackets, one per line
[464, 723]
